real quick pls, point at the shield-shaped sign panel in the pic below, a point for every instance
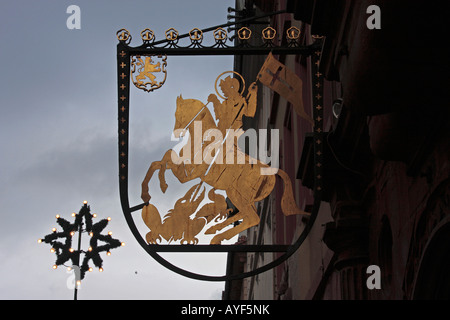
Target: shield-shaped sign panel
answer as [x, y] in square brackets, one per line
[148, 72]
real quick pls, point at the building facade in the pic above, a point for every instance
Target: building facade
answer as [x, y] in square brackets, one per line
[386, 199]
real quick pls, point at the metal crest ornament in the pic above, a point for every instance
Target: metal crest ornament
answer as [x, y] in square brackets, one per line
[147, 35]
[293, 33]
[171, 34]
[244, 33]
[148, 72]
[269, 33]
[220, 34]
[196, 35]
[123, 35]
[221, 203]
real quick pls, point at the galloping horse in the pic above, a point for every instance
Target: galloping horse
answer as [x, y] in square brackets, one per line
[244, 184]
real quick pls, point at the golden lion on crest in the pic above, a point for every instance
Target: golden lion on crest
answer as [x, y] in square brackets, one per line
[144, 71]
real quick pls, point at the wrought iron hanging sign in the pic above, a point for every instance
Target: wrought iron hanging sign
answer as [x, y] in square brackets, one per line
[211, 153]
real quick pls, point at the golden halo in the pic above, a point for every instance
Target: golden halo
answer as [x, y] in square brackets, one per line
[217, 79]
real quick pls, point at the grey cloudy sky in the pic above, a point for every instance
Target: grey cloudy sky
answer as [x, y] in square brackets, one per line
[58, 126]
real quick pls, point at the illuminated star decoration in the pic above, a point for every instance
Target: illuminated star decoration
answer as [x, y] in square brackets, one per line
[64, 250]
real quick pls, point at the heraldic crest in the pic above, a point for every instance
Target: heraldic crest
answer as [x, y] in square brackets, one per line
[211, 155]
[149, 72]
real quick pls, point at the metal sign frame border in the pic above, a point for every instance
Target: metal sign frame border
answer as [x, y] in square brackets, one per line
[124, 53]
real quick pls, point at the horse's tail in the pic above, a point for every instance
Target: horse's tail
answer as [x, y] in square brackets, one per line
[288, 205]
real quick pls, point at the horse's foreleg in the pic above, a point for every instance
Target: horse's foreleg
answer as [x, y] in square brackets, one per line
[162, 171]
[145, 196]
[161, 165]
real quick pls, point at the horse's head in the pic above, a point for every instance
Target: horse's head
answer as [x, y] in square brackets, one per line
[186, 111]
